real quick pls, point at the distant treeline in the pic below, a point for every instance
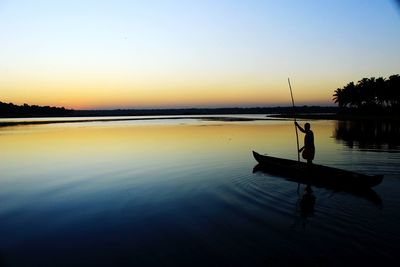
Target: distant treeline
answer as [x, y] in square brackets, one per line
[25, 110]
[11, 110]
[370, 95]
[206, 111]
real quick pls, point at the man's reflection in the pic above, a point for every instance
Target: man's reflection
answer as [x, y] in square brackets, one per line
[307, 202]
[305, 206]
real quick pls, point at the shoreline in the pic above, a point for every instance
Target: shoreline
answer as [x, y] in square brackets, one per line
[221, 117]
[339, 117]
[105, 119]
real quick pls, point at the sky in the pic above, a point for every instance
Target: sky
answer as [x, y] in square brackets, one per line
[94, 54]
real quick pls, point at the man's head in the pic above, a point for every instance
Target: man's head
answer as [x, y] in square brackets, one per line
[307, 126]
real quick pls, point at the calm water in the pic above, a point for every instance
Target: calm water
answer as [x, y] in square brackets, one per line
[183, 193]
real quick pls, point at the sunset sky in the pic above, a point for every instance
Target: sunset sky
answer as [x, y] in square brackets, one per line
[93, 54]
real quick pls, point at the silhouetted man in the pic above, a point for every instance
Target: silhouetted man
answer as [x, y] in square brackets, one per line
[308, 149]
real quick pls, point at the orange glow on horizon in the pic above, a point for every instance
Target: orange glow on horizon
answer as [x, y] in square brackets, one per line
[109, 94]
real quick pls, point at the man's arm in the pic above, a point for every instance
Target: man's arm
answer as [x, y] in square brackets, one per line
[298, 126]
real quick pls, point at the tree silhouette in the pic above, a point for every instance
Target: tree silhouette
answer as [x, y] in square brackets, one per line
[370, 95]
[382, 92]
[25, 110]
[339, 97]
[394, 90]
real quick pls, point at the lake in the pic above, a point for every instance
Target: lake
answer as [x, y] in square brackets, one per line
[180, 191]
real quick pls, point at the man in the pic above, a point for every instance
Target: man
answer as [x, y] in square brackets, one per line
[308, 149]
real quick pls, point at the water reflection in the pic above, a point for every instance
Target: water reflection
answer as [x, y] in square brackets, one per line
[307, 202]
[304, 206]
[370, 135]
[179, 194]
[307, 208]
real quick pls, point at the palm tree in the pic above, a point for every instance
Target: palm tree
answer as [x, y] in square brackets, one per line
[338, 97]
[363, 86]
[370, 94]
[394, 90]
[381, 92]
[352, 95]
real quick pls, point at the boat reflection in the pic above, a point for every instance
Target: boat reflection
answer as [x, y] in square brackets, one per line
[308, 205]
[371, 135]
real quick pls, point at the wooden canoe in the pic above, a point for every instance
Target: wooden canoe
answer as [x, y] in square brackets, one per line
[315, 174]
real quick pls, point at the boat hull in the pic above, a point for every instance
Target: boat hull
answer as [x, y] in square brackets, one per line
[315, 174]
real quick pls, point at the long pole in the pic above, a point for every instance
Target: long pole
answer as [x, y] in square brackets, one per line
[294, 110]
